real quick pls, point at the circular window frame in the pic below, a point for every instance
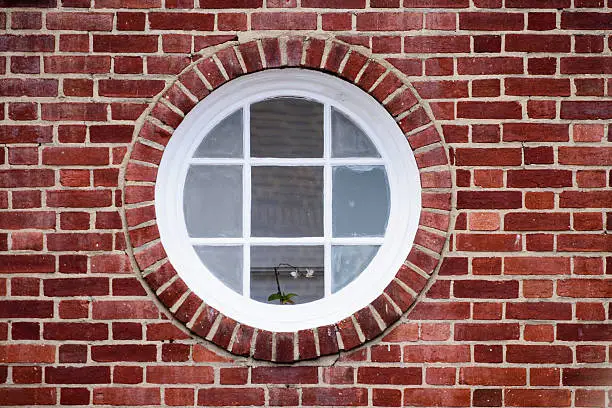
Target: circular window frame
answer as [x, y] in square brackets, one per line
[402, 173]
[223, 63]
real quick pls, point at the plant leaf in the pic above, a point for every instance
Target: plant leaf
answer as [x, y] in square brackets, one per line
[275, 296]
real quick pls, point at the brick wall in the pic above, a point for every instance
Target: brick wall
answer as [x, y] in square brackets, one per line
[517, 312]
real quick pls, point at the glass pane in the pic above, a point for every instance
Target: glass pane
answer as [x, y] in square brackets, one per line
[212, 201]
[348, 261]
[306, 283]
[360, 201]
[286, 201]
[348, 140]
[287, 127]
[225, 262]
[224, 140]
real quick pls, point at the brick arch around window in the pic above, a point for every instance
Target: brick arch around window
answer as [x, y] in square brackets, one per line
[379, 79]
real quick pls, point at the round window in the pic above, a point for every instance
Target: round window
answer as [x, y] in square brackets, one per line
[288, 199]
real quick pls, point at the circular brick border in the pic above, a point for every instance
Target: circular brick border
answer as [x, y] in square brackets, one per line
[194, 85]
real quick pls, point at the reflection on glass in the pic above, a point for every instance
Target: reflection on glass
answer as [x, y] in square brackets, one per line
[286, 201]
[348, 140]
[225, 262]
[348, 261]
[306, 283]
[287, 127]
[212, 201]
[224, 140]
[360, 201]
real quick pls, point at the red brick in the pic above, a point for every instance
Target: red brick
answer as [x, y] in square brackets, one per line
[77, 375]
[537, 86]
[436, 44]
[537, 397]
[590, 398]
[383, 21]
[231, 396]
[492, 376]
[436, 354]
[140, 396]
[124, 309]
[433, 397]
[482, 21]
[26, 20]
[532, 354]
[584, 242]
[541, 21]
[586, 65]
[586, 110]
[27, 43]
[25, 65]
[91, 64]
[539, 311]
[77, 111]
[78, 21]
[440, 376]
[538, 43]
[216, 4]
[585, 21]
[27, 353]
[489, 110]
[485, 289]
[488, 157]
[283, 397]
[328, 396]
[531, 221]
[389, 375]
[125, 43]
[537, 266]
[26, 308]
[280, 21]
[539, 178]
[124, 352]
[586, 156]
[234, 375]
[15, 396]
[486, 331]
[180, 375]
[587, 376]
[489, 65]
[284, 375]
[487, 397]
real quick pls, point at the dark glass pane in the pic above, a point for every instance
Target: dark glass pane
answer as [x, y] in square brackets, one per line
[287, 127]
[225, 262]
[224, 140]
[360, 202]
[348, 140]
[212, 201]
[286, 201]
[307, 282]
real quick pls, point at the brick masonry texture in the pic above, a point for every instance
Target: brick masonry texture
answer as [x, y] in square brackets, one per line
[517, 164]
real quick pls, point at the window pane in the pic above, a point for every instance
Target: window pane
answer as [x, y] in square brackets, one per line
[360, 201]
[287, 127]
[286, 201]
[348, 140]
[224, 140]
[225, 262]
[213, 201]
[348, 261]
[307, 285]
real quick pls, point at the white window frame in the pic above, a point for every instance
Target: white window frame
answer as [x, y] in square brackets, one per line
[396, 156]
